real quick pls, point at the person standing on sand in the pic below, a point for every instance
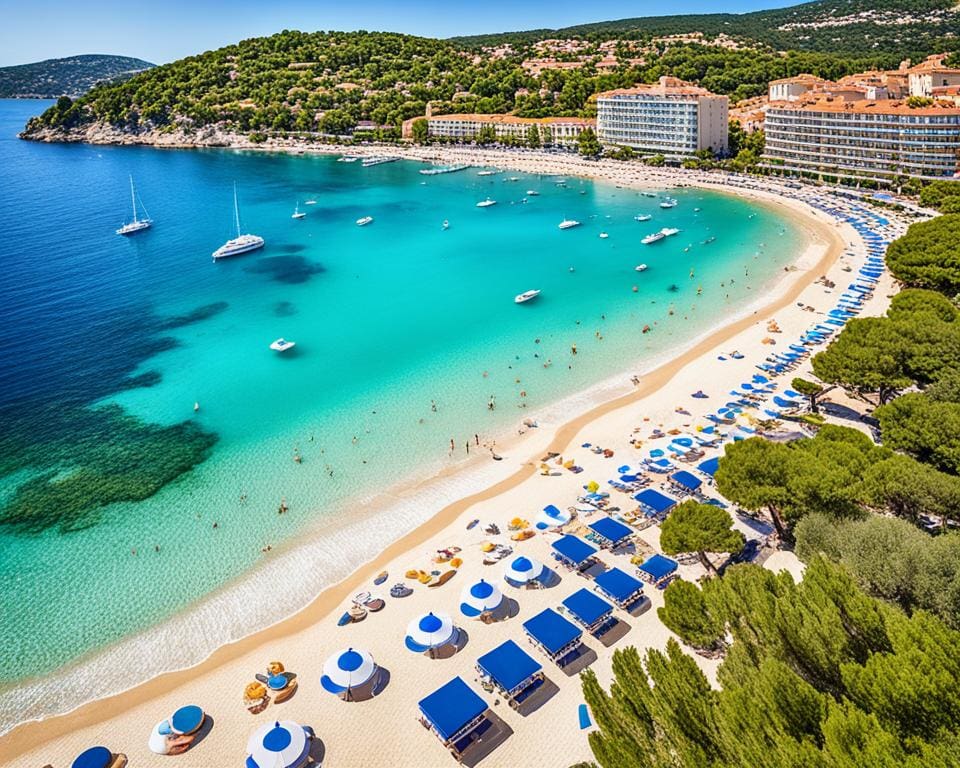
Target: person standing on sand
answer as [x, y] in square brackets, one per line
[451, 445]
[476, 439]
[468, 447]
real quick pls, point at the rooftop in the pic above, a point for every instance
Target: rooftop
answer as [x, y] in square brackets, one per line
[666, 86]
[863, 106]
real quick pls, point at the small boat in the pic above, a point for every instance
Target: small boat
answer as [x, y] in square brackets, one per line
[240, 243]
[641, 268]
[604, 235]
[669, 203]
[653, 238]
[446, 224]
[347, 159]
[357, 613]
[569, 224]
[648, 194]
[282, 345]
[487, 173]
[513, 178]
[374, 604]
[486, 203]
[371, 161]
[380, 578]
[137, 225]
[362, 222]
[520, 298]
[642, 217]
[400, 590]
[532, 193]
[559, 181]
[668, 231]
[310, 202]
[297, 213]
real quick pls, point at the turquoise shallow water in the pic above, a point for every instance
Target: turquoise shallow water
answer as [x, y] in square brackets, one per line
[387, 318]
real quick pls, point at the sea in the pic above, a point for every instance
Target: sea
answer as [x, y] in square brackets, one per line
[152, 445]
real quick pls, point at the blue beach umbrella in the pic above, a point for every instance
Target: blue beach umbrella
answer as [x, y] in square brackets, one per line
[186, 719]
[430, 630]
[552, 516]
[347, 669]
[479, 598]
[95, 757]
[281, 744]
[522, 569]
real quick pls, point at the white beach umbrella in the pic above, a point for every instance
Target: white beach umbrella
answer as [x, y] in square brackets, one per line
[348, 668]
[479, 597]
[430, 630]
[552, 516]
[281, 744]
[523, 569]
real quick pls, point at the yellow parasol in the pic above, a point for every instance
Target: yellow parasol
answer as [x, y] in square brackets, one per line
[254, 691]
[274, 668]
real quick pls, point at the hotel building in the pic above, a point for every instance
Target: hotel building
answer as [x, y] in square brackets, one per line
[464, 128]
[672, 118]
[867, 139]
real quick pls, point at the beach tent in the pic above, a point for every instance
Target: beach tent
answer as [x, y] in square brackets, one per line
[620, 587]
[510, 668]
[453, 711]
[613, 532]
[573, 551]
[551, 516]
[95, 757]
[429, 631]
[346, 670]
[685, 480]
[479, 598]
[654, 503]
[709, 467]
[555, 636]
[588, 610]
[281, 744]
[658, 567]
[521, 570]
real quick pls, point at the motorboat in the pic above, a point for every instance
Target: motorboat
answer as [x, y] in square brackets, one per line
[668, 231]
[669, 203]
[653, 238]
[525, 296]
[310, 202]
[282, 345]
[362, 222]
[569, 224]
[532, 193]
[642, 217]
[641, 268]
[487, 173]
[347, 159]
[486, 203]
[297, 213]
[240, 243]
[446, 224]
[604, 235]
[137, 225]
[513, 178]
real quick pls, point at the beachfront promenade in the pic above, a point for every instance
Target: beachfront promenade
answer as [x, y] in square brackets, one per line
[654, 430]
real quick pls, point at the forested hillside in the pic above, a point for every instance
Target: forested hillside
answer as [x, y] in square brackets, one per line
[72, 76]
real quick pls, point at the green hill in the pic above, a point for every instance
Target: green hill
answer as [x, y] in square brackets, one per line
[900, 27]
[72, 76]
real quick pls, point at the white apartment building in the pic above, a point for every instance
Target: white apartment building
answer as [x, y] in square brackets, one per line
[466, 127]
[870, 139]
[672, 118]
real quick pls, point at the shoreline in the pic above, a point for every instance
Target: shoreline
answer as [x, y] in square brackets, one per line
[30, 735]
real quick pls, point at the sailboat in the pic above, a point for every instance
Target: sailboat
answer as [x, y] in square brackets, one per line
[137, 224]
[297, 213]
[241, 243]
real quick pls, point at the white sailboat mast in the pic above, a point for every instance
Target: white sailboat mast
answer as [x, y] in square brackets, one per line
[236, 208]
[133, 199]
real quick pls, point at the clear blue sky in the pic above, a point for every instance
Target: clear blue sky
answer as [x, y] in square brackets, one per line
[31, 30]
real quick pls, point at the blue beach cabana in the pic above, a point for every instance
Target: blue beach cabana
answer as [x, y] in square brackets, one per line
[513, 671]
[590, 611]
[657, 569]
[456, 714]
[554, 635]
[625, 591]
[653, 503]
[611, 532]
[685, 481]
[574, 552]
[709, 467]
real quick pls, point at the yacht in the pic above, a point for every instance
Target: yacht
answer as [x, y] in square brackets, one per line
[136, 225]
[653, 238]
[297, 213]
[282, 345]
[667, 231]
[241, 243]
[569, 224]
[641, 268]
[347, 159]
[525, 296]
[486, 203]
[362, 222]
[642, 217]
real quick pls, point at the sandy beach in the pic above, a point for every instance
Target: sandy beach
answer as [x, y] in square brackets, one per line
[355, 733]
